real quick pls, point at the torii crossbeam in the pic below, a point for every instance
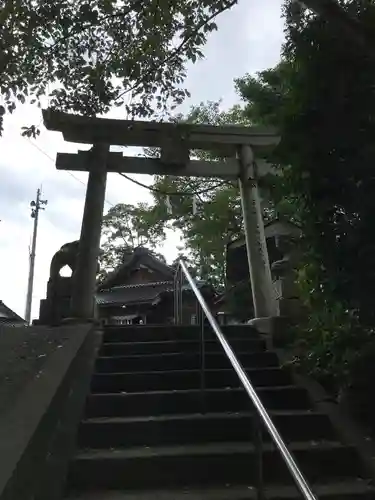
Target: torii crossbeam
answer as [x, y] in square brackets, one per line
[236, 144]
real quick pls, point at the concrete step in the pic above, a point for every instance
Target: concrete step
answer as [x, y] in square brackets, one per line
[174, 346]
[184, 379]
[199, 428]
[145, 333]
[181, 361]
[148, 431]
[190, 401]
[341, 490]
[192, 465]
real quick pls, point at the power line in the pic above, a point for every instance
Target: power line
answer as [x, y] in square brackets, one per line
[69, 173]
[138, 183]
[171, 193]
[134, 181]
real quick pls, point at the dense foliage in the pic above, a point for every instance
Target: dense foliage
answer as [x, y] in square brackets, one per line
[328, 133]
[322, 98]
[89, 55]
[345, 22]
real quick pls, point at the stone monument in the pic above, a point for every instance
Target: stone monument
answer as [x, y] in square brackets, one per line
[285, 236]
[57, 305]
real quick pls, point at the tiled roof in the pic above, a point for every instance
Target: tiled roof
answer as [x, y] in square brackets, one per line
[282, 223]
[138, 293]
[130, 294]
[9, 317]
[132, 260]
[141, 285]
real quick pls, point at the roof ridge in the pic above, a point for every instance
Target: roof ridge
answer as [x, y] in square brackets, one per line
[138, 254]
[11, 314]
[136, 285]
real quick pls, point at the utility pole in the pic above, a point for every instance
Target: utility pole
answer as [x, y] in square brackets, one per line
[35, 207]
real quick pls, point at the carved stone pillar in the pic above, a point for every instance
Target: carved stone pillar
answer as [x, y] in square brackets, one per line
[257, 254]
[84, 277]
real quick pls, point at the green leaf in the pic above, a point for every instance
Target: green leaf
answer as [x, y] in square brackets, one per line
[83, 47]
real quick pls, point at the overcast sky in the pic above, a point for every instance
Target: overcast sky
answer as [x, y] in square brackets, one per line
[248, 40]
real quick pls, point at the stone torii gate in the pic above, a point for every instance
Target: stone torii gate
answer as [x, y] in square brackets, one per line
[238, 146]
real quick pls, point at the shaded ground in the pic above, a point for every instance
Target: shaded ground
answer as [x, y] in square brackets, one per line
[23, 353]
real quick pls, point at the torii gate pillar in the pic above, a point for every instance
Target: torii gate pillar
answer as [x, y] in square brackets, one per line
[82, 304]
[257, 254]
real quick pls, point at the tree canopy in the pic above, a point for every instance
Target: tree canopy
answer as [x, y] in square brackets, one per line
[321, 98]
[90, 55]
[328, 126]
[344, 22]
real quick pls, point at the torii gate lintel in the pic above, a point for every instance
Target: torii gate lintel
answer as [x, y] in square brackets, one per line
[116, 162]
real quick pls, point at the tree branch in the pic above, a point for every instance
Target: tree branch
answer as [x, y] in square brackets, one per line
[338, 17]
[175, 53]
[79, 29]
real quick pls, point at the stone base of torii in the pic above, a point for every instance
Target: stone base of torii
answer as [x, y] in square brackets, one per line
[237, 145]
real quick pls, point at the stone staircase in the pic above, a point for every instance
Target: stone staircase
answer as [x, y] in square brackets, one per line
[144, 434]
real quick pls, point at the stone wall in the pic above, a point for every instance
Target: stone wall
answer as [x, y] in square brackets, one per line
[45, 376]
[23, 354]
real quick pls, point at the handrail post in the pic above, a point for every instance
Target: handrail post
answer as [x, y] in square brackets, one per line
[203, 360]
[175, 308]
[181, 281]
[258, 443]
[178, 296]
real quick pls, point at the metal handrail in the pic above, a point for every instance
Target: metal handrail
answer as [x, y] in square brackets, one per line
[289, 461]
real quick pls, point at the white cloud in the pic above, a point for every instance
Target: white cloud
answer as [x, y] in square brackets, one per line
[248, 40]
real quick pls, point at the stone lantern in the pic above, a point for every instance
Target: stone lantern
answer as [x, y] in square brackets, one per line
[282, 236]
